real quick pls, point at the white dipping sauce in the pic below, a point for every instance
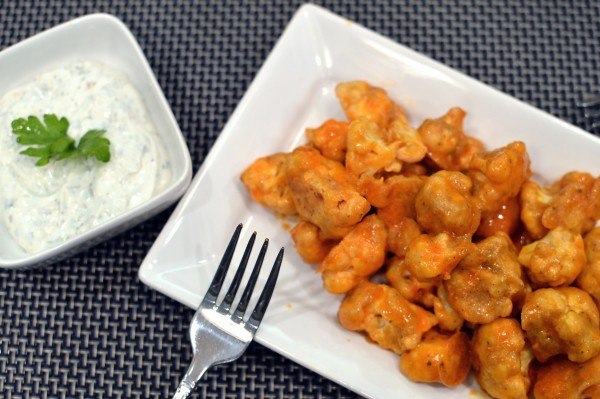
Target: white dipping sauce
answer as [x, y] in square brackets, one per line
[45, 206]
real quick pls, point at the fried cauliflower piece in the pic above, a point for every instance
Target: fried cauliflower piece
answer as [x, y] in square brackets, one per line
[498, 175]
[573, 202]
[266, 181]
[400, 200]
[438, 358]
[386, 317]
[563, 379]
[324, 193]
[589, 279]
[401, 234]
[411, 148]
[330, 139]
[485, 283]
[534, 200]
[359, 254]
[448, 318]
[501, 359]
[555, 260]
[361, 100]
[505, 219]
[562, 320]
[445, 204]
[412, 289]
[432, 257]
[368, 151]
[448, 147]
[310, 247]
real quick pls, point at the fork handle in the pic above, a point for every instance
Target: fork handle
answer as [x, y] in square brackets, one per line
[195, 371]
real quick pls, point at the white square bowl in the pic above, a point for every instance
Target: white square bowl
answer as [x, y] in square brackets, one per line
[293, 90]
[105, 39]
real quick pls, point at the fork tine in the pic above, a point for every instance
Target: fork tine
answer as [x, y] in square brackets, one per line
[215, 286]
[590, 101]
[241, 308]
[265, 297]
[237, 279]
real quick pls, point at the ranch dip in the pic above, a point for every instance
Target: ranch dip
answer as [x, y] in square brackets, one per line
[42, 207]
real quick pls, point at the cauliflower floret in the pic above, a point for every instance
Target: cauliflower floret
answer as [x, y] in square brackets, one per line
[310, 247]
[411, 148]
[361, 100]
[534, 201]
[555, 260]
[439, 358]
[562, 320]
[386, 317]
[501, 359]
[589, 279]
[359, 254]
[400, 200]
[412, 289]
[368, 151]
[576, 203]
[432, 257]
[401, 234]
[445, 204]
[505, 219]
[448, 318]
[485, 283]
[266, 181]
[330, 138]
[563, 379]
[498, 175]
[447, 145]
[573, 202]
[413, 169]
[324, 193]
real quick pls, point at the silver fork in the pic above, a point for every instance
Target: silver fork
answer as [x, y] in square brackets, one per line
[218, 334]
[591, 111]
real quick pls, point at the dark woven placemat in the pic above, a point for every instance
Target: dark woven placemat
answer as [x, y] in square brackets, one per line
[87, 327]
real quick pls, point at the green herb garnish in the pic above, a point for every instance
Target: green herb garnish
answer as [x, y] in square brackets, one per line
[49, 140]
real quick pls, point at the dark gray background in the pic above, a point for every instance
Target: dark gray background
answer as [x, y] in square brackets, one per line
[87, 327]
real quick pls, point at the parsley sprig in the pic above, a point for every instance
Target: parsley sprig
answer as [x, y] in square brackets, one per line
[49, 140]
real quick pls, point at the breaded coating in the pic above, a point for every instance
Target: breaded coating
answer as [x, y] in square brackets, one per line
[359, 254]
[361, 100]
[266, 181]
[501, 359]
[576, 203]
[411, 148]
[505, 219]
[324, 193]
[433, 257]
[573, 202]
[563, 379]
[445, 204]
[386, 317]
[485, 283]
[413, 169]
[562, 320]
[310, 247]
[412, 289]
[448, 318]
[330, 139]
[401, 234]
[439, 358]
[448, 147]
[589, 279]
[534, 200]
[368, 151]
[498, 175]
[400, 200]
[555, 260]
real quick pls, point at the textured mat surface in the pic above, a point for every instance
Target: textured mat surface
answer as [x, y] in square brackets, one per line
[87, 328]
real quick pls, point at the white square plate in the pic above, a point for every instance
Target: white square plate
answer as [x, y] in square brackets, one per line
[294, 90]
[105, 39]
